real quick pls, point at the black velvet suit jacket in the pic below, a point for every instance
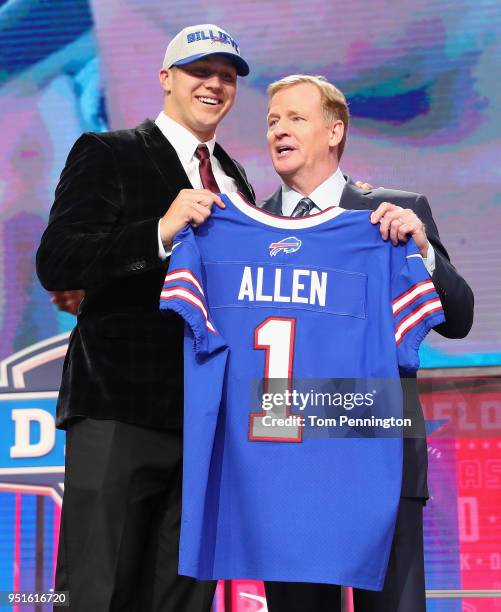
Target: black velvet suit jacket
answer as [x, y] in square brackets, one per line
[457, 301]
[125, 357]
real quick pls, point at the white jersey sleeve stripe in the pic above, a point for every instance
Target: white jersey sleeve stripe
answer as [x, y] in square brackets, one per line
[416, 317]
[402, 301]
[191, 298]
[186, 275]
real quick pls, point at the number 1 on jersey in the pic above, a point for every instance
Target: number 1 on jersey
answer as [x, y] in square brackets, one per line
[276, 336]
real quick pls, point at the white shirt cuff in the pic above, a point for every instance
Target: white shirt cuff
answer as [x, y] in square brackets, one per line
[162, 253]
[429, 260]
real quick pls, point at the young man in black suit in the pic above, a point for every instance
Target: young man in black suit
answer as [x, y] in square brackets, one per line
[307, 124]
[121, 199]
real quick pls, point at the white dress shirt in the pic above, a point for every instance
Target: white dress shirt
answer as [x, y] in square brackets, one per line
[185, 145]
[328, 194]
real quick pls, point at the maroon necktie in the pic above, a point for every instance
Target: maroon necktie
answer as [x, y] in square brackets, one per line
[206, 174]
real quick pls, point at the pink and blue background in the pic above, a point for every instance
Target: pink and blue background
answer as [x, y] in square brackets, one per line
[422, 81]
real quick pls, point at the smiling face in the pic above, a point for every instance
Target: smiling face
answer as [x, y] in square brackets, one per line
[198, 95]
[302, 142]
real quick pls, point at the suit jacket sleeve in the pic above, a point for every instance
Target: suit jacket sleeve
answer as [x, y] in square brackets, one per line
[455, 293]
[85, 244]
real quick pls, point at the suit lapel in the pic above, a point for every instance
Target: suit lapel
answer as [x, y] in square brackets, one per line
[273, 204]
[164, 157]
[231, 169]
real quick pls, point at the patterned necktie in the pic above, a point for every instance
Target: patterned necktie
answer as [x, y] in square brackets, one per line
[205, 169]
[303, 208]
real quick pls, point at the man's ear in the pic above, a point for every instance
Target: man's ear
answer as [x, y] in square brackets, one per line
[165, 77]
[336, 133]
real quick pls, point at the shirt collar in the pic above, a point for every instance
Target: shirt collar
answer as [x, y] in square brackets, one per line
[183, 141]
[327, 194]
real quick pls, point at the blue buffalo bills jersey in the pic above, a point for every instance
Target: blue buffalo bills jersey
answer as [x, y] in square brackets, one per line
[278, 299]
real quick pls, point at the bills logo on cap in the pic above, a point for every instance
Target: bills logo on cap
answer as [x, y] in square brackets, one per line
[287, 245]
[221, 37]
[203, 40]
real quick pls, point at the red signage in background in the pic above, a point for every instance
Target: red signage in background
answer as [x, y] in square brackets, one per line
[467, 412]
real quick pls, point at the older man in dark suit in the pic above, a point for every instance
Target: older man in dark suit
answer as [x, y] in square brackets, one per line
[307, 127]
[121, 199]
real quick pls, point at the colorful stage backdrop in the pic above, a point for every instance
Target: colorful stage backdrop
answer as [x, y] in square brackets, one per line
[421, 80]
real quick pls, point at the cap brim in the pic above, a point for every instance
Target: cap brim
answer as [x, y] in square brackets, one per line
[240, 64]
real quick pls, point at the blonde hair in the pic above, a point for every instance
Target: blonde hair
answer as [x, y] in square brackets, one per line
[333, 102]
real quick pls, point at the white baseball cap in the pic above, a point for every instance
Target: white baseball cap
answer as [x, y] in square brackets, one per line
[195, 42]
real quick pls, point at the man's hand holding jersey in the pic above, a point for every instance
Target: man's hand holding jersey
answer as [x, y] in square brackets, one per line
[191, 207]
[398, 224]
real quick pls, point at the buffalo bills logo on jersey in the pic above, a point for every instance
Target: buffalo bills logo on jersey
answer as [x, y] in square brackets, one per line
[287, 245]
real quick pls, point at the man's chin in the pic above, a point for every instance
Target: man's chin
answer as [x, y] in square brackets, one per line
[205, 127]
[285, 171]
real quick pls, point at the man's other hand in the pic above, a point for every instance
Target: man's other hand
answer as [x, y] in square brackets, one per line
[364, 186]
[67, 301]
